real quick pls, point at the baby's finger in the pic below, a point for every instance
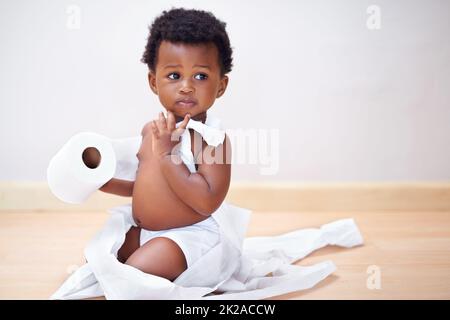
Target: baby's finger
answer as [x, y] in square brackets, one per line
[162, 124]
[183, 124]
[170, 121]
[154, 128]
[176, 134]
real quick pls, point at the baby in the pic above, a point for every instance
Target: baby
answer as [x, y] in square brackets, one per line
[188, 54]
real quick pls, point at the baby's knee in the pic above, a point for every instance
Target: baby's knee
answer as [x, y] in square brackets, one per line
[161, 257]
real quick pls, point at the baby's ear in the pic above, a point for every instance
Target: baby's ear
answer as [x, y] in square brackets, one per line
[223, 86]
[152, 82]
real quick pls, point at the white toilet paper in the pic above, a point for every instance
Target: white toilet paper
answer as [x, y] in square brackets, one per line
[68, 176]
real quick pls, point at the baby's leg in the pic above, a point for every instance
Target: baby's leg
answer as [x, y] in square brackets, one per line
[130, 245]
[161, 257]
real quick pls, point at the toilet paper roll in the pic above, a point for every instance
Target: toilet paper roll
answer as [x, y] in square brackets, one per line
[69, 178]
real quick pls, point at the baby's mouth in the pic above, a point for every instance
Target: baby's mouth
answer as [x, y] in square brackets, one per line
[186, 102]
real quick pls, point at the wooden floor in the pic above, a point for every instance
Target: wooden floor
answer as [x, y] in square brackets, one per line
[411, 250]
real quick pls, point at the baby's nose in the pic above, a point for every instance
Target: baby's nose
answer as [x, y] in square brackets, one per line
[187, 87]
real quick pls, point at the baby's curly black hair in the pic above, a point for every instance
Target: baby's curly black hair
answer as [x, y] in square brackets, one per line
[191, 26]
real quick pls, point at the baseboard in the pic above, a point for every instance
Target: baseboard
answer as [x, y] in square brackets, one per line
[392, 196]
[387, 196]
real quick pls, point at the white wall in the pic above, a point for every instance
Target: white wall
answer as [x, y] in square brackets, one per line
[350, 103]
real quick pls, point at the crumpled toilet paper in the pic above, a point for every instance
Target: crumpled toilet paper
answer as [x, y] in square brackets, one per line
[237, 268]
[104, 275]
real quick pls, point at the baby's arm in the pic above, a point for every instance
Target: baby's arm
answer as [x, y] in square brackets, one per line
[118, 187]
[204, 190]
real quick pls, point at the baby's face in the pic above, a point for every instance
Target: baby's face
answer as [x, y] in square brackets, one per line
[190, 73]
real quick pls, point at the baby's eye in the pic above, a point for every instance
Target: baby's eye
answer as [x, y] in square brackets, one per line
[201, 76]
[176, 75]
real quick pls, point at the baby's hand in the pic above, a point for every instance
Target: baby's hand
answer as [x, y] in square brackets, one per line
[165, 135]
